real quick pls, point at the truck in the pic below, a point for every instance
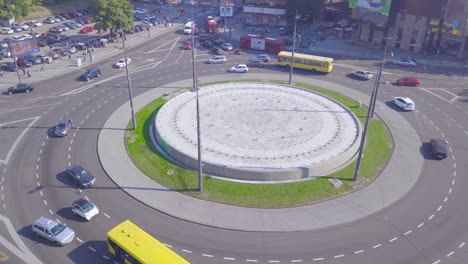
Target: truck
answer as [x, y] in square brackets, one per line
[211, 25]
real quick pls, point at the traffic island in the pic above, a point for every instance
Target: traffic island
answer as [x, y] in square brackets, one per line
[175, 173]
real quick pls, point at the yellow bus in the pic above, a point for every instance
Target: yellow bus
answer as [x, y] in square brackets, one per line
[132, 245]
[306, 61]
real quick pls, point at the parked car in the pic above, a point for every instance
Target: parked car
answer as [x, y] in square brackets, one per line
[33, 59]
[63, 127]
[439, 148]
[7, 31]
[227, 46]
[17, 28]
[91, 73]
[80, 176]
[6, 53]
[23, 27]
[53, 231]
[409, 81]
[53, 54]
[405, 62]
[44, 57]
[55, 29]
[60, 18]
[207, 44]
[70, 25]
[361, 74]
[217, 59]
[9, 66]
[84, 209]
[49, 20]
[263, 57]
[20, 88]
[255, 63]
[239, 68]
[121, 63]
[18, 38]
[217, 51]
[87, 29]
[188, 45]
[34, 23]
[63, 27]
[404, 103]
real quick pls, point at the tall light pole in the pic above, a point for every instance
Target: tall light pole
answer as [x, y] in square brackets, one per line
[128, 79]
[291, 66]
[195, 87]
[379, 75]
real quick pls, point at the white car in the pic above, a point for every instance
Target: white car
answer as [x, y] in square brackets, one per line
[7, 30]
[26, 36]
[239, 68]
[405, 62]
[35, 23]
[404, 103]
[217, 59]
[84, 209]
[50, 20]
[364, 75]
[23, 27]
[121, 63]
[18, 38]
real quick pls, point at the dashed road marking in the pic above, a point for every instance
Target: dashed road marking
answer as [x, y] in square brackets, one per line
[50, 211]
[339, 256]
[377, 246]
[92, 249]
[79, 240]
[296, 260]
[45, 202]
[107, 215]
[358, 252]
[439, 208]
[251, 260]
[430, 217]
[461, 245]
[317, 259]
[407, 232]
[187, 251]
[206, 255]
[450, 254]
[227, 258]
[420, 225]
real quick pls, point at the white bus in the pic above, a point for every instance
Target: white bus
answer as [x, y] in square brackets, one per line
[188, 28]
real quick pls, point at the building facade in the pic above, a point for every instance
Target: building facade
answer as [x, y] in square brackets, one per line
[270, 13]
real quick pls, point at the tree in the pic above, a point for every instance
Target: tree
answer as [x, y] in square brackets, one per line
[15, 8]
[307, 9]
[112, 14]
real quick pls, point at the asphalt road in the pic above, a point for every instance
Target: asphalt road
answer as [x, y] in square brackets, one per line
[427, 226]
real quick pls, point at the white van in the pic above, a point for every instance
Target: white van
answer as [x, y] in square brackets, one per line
[188, 28]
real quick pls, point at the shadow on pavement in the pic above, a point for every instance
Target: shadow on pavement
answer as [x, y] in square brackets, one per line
[91, 252]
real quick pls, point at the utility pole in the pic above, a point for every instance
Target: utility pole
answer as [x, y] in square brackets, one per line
[379, 75]
[128, 79]
[195, 88]
[291, 66]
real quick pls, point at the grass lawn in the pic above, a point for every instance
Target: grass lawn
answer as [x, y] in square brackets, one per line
[156, 166]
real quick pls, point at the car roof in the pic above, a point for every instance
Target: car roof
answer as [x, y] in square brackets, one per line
[64, 120]
[45, 222]
[81, 202]
[406, 99]
[242, 65]
[75, 168]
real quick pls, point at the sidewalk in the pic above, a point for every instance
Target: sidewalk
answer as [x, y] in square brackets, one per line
[396, 180]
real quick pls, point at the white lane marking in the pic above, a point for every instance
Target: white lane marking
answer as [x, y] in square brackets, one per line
[461, 245]
[454, 165]
[206, 255]
[273, 261]
[339, 256]
[430, 217]
[79, 240]
[317, 259]
[359, 251]
[40, 192]
[107, 215]
[71, 142]
[92, 249]
[69, 149]
[430, 121]
[445, 199]
[106, 257]
[69, 164]
[68, 156]
[227, 258]
[251, 260]
[453, 157]
[296, 260]
[167, 245]
[38, 184]
[439, 208]
[37, 175]
[450, 190]
[18, 139]
[453, 182]
[43, 144]
[436, 262]
[38, 158]
[56, 219]
[187, 251]
[420, 225]
[376, 246]
[37, 166]
[87, 116]
[437, 128]
[40, 151]
[86, 197]
[407, 232]
[2, 195]
[105, 102]
[45, 202]
[50, 211]
[454, 173]
[450, 254]
[442, 134]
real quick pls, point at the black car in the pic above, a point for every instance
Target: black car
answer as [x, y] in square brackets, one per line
[203, 37]
[255, 63]
[217, 51]
[91, 73]
[305, 43]
[217, 41]
[9, 66]
[20, 88]
[207, 44]
[439, 148]
[80, 176]
[33, 59]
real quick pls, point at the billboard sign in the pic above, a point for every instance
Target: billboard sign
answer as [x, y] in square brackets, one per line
[23, 47]
[378, 6]
[226, 11]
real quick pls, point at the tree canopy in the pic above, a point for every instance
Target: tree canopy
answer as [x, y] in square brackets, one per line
[112, 14]
[16, 8]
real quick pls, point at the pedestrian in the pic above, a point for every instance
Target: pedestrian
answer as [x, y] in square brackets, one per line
[24, 71]
[42, 67]
[1, 73]
[29, 74]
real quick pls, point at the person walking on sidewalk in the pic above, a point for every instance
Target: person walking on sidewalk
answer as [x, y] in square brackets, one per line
[29, 74]
[1, 73]
[42, 67]
[24, 71]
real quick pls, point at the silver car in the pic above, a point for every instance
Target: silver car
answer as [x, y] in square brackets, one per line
[217, 59]
[405, 62]
[53, 231]
[63, 127]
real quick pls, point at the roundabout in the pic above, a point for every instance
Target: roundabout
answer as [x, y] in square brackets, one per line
[259, 132]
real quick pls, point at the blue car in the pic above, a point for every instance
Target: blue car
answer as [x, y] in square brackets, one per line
[91, 73]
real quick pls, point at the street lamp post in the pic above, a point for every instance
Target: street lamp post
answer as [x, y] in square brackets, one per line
[291, 66]
[195, 87]
[379, 75]
[128, 79]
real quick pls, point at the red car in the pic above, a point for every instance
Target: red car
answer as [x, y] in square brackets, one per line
[409, 81]
[86, 30]
[188, 45]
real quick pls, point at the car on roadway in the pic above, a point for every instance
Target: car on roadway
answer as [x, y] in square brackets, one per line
[121, 63]
[53, 231]
[263, 57]
[207, 44]
[188, 45]
[239, 68]
[63, 127]
[255, 63]
[227, 46]
[84, 209]
[20, 88]
[405, 62]
[80, 176]
[363, 75]
[217, 59]
[90, 74]
[404, 103]
[439, 148]
[409, 81]
[86, 30]
[217, 51]
[7, 31]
